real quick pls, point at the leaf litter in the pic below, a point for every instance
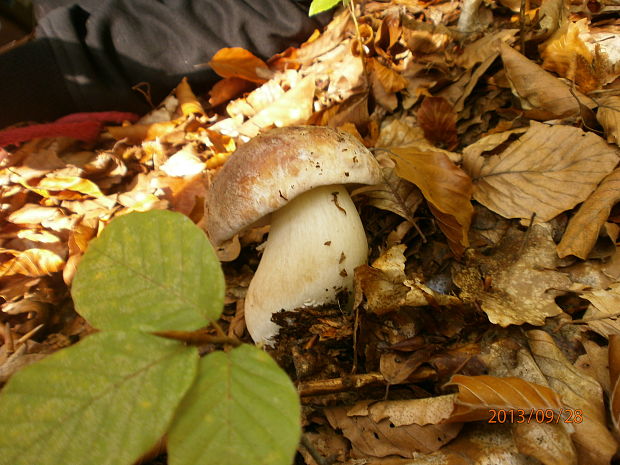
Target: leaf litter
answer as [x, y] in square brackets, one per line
[493, 284]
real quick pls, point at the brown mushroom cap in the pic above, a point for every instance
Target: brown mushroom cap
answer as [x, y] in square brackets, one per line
[277, 166]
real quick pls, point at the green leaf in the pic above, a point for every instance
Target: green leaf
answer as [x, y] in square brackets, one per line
[153, 271]
[242, 409]
[103, 401]
[319, 6]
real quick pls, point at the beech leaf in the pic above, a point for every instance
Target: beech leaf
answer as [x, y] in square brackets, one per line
[114, 393]
[583, 228]
[547, 171]
[478, 394]
[443, 184]
[152, 271]
[595, 444]
[240, 63]
[608, 115]
[242, 409]
[31, 262]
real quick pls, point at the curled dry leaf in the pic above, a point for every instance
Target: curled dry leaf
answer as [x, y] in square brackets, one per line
[567, 55]
[240, 63]
[595, 444]
[538, 89]
[188, 103]
[614, 375]
[395, 194]
[183, 163]
[373, 432]
[31, 262]
[478, 394]
[583, 228]
[608, 115]
[387, 288]
[604, 310]
[547, 171]
[516, 282]
[293, 107]
[443, 184]
[437, 119]
[385, 83]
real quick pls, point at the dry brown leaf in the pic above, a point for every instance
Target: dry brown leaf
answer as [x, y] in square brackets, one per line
[608, 115]
[595, 363]
[227, 89]
[604, 310]
[31, 262]
[385, 83]
[375, 435]
[443, 184]
[188, 103]
[185, 162]
[548, 443]
[437, 119]
[478, 444]
[485, 47]
[293, 107]
[580, 393]
[395, 194]
[387, 288]
[538, 89]
[240, 63]
[614, 375]
[516, 283]
[48, 217]
[583, 228]
[547, 171]
[566, 54]
[70, 183]
[479, 396]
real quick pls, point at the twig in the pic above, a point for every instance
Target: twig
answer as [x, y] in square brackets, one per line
[522, 25]
[526, 236]
[318, 458]
[197, 338]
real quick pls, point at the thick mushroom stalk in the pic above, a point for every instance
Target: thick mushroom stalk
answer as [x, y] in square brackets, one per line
[315, 242]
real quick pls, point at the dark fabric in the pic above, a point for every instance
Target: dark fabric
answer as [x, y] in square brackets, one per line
[87, 57]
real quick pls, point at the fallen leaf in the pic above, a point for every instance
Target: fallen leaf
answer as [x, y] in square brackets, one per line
[376, 435]
[516, 282]
[437, 119]
[608, 115]
[567, 55]
[395, 194]
[604, 310]
[293, 107]
[595, 444]
[479, 396]
[227, 89]
[72, 183]
[443, 184]
[538, 89]
[583, 228]
[239, 63]
[31, 262]
[614, 375]
[547, 171]
[185, 162]
[188, 102]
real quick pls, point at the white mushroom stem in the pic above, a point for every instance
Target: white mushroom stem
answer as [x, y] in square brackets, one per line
[314, 244]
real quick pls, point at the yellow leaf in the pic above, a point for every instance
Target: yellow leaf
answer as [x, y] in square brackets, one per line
[70, 183]
[31, 262]
[238, 62]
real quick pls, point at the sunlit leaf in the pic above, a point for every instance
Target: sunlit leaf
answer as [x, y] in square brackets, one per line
[152, 271]
[242, 409]
[104, 401]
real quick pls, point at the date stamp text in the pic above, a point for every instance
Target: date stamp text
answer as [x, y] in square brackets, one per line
[564, 415]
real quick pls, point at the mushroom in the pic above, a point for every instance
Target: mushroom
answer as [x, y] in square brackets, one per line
[316, 238]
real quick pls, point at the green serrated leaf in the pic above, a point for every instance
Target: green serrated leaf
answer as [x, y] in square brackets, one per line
[242, 409]
[319, 6]
[152, 271]
[103, 401]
